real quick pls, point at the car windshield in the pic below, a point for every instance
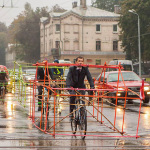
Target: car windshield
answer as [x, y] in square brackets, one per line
[127, 76]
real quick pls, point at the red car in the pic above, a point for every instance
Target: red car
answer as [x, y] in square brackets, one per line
[127, 80]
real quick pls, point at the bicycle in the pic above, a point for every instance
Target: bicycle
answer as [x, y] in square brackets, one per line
[79, 118]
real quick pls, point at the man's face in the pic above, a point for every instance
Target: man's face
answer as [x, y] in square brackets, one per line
[80, 61]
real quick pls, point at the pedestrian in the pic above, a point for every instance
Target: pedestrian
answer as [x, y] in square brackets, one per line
[41, 75]
[57, 71]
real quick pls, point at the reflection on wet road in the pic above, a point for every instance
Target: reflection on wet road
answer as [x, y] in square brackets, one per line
[18, 132]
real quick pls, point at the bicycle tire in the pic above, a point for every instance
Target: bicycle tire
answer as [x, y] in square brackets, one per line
[74, 123]
[82, 122]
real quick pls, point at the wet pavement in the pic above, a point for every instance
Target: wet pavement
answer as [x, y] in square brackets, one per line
[18, 132]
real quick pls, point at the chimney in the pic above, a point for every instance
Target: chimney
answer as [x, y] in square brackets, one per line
[83, 3]
[74, 4]
[117, 9]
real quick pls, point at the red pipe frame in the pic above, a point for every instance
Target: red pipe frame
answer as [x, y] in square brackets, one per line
[100, 89]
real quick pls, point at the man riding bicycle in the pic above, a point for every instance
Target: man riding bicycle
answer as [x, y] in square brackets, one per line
[75, 79]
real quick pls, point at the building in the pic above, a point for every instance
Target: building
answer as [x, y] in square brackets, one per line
[83, 31]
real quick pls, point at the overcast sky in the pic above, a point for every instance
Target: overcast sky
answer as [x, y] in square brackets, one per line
[7, 14]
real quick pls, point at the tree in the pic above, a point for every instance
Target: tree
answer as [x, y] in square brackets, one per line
[106, 4]
[26, 32]
[58, 9]
[129, 29]
[3, 42]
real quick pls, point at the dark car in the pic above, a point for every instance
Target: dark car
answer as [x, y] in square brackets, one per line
[128, 81]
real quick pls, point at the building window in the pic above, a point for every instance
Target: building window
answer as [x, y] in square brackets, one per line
[98, 27]
[89, 60]
[98, 45]
[115, 45]
[98, 62]
[57, 44]
[57, 27]
[115, 28]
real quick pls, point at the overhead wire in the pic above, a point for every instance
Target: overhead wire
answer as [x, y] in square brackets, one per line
[4, 14]
[8, 10]
[3, 4]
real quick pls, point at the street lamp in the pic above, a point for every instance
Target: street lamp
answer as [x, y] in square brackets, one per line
[139, 44]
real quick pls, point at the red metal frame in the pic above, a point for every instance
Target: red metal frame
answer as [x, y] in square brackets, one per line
[101, 89]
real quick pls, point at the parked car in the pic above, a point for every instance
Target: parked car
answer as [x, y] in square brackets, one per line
[64, 62]
[131, 81]
[126, 64]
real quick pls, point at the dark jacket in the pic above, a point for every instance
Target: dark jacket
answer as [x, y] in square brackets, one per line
[75, 78]
[41, 74]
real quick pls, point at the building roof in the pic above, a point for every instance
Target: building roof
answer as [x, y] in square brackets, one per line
[89, 12]
[43, 19]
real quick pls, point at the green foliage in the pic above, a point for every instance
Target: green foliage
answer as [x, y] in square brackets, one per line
[106, 4]
[25, 33]
[3, 42]
[129, 28]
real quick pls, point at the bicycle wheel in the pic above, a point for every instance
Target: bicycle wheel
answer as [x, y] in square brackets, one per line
[74, 122]
[82, 122]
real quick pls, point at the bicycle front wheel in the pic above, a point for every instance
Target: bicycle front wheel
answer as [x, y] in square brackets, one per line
[82, 122]
[74, 123]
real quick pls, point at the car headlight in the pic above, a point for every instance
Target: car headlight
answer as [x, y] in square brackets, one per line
[120, 89]
[146, 88]
[118, 94]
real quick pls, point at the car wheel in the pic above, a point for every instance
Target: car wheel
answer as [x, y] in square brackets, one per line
[146, 99]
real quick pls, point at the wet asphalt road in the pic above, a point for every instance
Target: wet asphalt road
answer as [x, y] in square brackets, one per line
[18, 132]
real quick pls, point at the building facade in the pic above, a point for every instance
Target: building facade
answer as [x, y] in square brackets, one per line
[83, 31]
